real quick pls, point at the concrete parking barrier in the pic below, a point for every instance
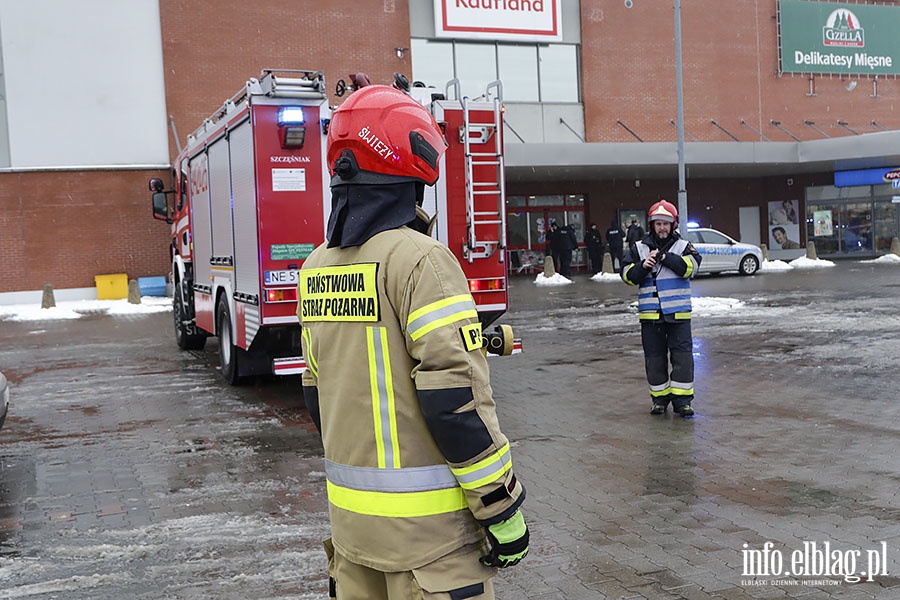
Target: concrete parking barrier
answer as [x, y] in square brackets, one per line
[48, 301]
[549, 270]
[607, 263]
[811, 251]
[765, 251]
[134, 293]
[895, 246]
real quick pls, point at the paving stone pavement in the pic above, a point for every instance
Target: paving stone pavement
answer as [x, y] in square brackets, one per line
[129, 470]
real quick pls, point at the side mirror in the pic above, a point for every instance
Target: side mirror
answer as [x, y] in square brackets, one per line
[161, 207]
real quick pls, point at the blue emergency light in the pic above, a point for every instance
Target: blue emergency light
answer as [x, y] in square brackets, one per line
[290, 115]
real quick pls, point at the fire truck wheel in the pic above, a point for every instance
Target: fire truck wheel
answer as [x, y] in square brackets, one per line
[228, 352]
[188, 337]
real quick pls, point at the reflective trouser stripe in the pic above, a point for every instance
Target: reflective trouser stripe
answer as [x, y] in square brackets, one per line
[485, 471]
[310, 359]
[676, 389]
[383, 407]
[440, 313]
[402, 504]
[407, 479]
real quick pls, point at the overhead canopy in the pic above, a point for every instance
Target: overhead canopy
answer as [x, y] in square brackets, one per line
[655, 160]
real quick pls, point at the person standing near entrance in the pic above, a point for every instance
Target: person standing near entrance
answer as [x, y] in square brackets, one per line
[594, 242]
[422, 496]
[614, 238]
[634, 234]
[662, 265]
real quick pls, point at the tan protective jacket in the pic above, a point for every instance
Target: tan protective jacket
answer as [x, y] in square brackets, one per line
[415, 461]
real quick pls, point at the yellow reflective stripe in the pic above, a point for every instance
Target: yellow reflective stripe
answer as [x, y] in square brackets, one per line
[625, 274]
[663, 392]
[682, 316]
[682, 392]
[440, 313]
[485, 471]
[690, 265]
[387, 447]
[648, 316]
[310, 359]
[403, 504]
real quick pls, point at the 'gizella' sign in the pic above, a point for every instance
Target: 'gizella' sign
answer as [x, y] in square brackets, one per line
[526, 20]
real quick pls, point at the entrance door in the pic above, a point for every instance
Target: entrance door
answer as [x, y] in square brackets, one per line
[856, 228]
[749, 224]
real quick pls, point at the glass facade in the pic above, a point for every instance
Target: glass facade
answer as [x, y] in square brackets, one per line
[529, 72]
[852, 221]
[527, 220]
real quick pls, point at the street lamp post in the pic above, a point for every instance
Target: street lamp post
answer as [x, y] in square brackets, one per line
[682, 192]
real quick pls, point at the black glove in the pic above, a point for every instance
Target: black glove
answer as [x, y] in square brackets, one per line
[509, 542]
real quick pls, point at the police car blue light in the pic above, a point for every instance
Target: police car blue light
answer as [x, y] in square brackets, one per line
[722, 253]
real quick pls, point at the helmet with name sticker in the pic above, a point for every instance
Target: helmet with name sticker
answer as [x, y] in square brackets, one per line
[379, 135]
[663, 211]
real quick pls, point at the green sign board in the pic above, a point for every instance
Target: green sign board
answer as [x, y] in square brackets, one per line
[291, 251]
[846, 39]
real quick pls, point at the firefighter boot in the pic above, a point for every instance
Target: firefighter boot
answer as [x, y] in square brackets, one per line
[685, 411]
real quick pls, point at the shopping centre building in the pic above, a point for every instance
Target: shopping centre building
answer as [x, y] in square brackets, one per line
[790, 112]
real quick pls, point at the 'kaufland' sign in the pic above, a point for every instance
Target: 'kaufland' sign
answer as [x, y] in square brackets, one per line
[531, 20]
[827, 37]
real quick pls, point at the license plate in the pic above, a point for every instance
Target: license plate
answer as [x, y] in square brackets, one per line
[288, 277]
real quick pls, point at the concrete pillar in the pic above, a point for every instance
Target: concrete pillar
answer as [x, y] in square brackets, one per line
[549, 271]
[811, 251]
[765, 251]
[134, 293]
[895, 246]
[48, 301]
[607, 263]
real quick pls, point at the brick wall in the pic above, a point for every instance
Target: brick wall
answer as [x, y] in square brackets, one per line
[63, 228]
[730, 63]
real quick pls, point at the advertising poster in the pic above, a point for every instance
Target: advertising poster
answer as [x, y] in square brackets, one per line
[822, 223]
[784, 226]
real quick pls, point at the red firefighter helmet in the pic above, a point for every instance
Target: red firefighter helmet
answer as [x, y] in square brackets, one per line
[663, 211]
[380, 135]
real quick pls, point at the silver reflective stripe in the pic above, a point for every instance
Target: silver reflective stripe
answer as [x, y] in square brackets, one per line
[407, 479]
[661, 387]
[378, 362]
[682, 385]
[495, 467]
[437, 314]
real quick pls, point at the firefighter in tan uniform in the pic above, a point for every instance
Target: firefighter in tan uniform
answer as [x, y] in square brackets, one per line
[422, 496]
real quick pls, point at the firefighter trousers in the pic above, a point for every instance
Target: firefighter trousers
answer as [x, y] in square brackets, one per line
[456, 576]
[663, 342]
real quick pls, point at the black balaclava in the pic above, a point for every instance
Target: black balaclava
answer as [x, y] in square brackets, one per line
[358, 212]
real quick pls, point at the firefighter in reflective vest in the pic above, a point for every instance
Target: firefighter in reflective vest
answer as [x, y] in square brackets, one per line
[662, 265]
[422, 496]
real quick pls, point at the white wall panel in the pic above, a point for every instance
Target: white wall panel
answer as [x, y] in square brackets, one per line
[84, 83]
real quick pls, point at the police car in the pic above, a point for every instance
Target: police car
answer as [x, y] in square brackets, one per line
[721, 253]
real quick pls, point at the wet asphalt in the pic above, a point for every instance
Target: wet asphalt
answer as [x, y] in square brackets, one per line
[129, 469]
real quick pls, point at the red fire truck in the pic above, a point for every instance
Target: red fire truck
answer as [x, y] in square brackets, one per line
[250, 200]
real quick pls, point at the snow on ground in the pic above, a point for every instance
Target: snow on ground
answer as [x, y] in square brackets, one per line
[772, 266]
[886, 259]
[557, 279]
[79, 308]
[810, 263]
[607, 277]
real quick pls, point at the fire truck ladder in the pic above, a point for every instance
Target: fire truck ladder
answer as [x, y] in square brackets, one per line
[478, 244]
